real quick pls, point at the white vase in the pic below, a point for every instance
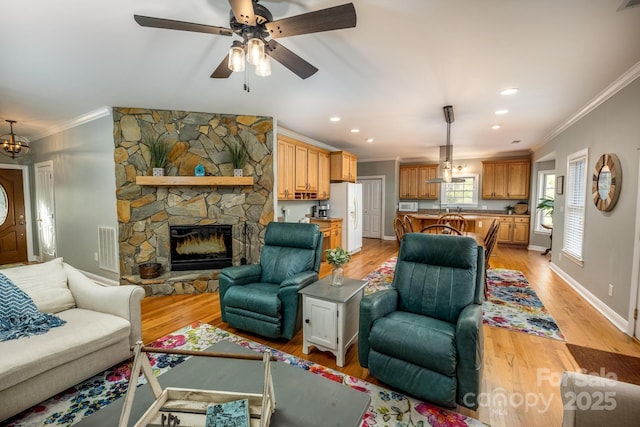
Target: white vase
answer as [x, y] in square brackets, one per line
[158, 171]
[237, 172]
[337, 274]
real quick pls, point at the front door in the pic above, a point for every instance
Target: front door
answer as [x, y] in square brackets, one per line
[13, 232]
[372, 208]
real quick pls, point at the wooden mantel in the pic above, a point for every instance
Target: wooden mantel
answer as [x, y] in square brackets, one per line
[194, 180]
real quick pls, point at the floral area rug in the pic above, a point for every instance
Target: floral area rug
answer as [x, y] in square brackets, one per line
[387, 408]
[511, 303]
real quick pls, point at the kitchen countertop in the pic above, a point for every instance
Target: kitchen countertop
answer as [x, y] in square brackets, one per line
[429, 214]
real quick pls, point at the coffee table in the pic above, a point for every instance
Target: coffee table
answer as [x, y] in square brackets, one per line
[302, 398]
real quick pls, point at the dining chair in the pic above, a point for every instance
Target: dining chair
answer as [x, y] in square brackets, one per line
[398, 227]
[454, 220]
[441, 229]
[490, 240]
[408, 225]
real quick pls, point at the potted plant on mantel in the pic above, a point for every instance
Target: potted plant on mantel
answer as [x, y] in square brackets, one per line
[337, 258]
[159, 152]
[238, 157]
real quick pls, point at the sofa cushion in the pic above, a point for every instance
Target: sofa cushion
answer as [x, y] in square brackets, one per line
[256, 297]
[45, 283]
[85, 332]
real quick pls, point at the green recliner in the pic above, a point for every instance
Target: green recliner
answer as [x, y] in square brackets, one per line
[424, 336]
[263, 298]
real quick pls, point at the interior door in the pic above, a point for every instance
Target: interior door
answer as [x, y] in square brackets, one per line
[45, 210]
[13, 232]
[372, 208]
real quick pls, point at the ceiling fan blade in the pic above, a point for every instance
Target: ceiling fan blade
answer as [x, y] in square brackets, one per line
[243, 11]
[170, 24]
[290, 60]
[223, 71]
[333, 18]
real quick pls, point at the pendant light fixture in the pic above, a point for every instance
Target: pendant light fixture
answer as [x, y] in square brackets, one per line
[13, 145]
[447, 150]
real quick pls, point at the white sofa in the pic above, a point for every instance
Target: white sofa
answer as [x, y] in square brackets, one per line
[102, 323]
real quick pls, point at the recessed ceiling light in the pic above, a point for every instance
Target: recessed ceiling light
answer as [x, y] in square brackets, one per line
[509, 91]
[335, 119]
[369, 140]
[503, 111]
[355, 130]
[495, 127]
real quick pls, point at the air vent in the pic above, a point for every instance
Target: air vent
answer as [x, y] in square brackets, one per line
[107, 252]
[628, 4]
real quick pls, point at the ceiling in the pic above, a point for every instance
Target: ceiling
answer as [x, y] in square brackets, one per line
[389, 76]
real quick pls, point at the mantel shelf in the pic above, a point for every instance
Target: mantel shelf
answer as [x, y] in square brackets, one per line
[194, 180]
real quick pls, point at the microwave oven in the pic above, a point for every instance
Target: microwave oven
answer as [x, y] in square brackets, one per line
[408, 207]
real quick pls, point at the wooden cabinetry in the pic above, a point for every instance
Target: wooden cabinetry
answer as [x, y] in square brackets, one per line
[413, 182]
[506, 179]
[332, 230]
[514, 229]
[303, 171]
[344, 166]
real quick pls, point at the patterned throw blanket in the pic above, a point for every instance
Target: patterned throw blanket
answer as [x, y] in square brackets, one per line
[19, 316]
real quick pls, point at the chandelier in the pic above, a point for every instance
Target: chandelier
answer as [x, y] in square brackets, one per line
[13, 145]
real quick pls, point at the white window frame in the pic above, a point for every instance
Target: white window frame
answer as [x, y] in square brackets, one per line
[474, 202]
[575, 206]
[541, 193]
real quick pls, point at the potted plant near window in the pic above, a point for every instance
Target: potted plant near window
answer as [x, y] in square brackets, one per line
[159, 153]
[238, 157]
[546, 205]
[337, 258]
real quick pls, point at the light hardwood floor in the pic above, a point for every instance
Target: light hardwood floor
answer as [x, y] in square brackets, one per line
[521, 369]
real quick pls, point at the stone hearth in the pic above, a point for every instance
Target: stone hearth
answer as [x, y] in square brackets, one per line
[146, 212]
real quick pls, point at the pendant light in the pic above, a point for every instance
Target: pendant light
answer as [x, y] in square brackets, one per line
[447, 161]
[13, 145]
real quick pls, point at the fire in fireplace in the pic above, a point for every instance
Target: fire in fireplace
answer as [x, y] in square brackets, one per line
[200, 247]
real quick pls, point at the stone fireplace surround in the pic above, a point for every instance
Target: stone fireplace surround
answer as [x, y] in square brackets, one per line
[145, 212]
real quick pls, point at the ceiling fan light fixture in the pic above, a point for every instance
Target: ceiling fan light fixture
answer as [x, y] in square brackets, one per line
[255, 51]
[14, 145]
[236, 57]
[263, 69]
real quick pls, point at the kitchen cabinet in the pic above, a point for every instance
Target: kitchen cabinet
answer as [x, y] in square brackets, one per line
[324, 172]
[331, 316]
[506, 179]
[514, 229]
[413, 183]
[344, 166]
[303, 170]
[332, 230]
[408, 182]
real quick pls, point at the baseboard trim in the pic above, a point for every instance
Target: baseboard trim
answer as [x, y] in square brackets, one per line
[617, 320]
[389, 238]
[536, 248]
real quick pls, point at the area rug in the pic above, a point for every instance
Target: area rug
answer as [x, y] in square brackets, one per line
[615, 366]
[387, 408]
[511, 303]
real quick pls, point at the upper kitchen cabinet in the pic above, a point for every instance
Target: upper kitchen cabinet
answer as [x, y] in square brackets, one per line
[506, 179]
[413, 182]
[344, 166]
[303, 170]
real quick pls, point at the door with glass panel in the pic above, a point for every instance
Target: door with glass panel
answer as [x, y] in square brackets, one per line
[13, 232]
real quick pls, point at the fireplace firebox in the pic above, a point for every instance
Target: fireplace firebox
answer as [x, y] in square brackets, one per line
[200, 247]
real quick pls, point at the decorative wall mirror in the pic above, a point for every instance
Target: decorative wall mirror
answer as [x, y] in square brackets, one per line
[606, 183]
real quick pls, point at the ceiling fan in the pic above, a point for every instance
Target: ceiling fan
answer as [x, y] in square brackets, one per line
[257, 29]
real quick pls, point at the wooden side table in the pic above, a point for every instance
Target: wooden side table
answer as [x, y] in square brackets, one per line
[331, 315]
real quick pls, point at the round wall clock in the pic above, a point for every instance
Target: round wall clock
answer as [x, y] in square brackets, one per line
[606, 182]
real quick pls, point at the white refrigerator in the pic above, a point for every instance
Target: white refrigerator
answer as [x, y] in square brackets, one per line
[346, 203]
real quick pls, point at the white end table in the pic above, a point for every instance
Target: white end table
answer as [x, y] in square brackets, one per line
[331, 315]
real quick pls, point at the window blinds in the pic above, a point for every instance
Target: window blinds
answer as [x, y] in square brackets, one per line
[575, 204]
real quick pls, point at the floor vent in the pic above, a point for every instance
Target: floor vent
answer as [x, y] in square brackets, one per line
[107, 251]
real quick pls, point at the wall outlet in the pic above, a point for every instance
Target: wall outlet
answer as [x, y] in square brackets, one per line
[95, 256]
[484, 207]
[288, 211]
[610, 290]
[479, 224]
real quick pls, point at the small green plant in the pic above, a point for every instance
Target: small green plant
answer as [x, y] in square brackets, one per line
[238, 155]
[337, 257]
[509, 208]
[159, 151]
[546, 205]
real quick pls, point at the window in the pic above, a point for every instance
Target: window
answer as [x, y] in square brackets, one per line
[462, 194]
[546, 188]
[576, 192]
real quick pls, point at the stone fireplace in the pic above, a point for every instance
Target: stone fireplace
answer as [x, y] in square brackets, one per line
[148, 213]
[200, 247]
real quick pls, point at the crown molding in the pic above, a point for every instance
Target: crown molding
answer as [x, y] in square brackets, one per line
[620, 83]
[77, 121]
